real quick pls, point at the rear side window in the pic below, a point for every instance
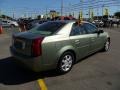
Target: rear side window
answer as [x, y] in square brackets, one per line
[90, 28]
[75, 30]
[78, 30]
[82, 30]
[49, 28]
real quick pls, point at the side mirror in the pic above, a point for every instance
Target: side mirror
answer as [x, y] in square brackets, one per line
[100, 31]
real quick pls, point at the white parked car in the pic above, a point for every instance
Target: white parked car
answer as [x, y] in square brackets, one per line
[114, 20]
[7, 23]
[98, 23]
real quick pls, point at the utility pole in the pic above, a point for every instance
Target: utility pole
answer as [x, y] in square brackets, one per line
[13, 15]
[97, 13]
[69, 8]
[89, 12]
[81, 1]
[0, 13]
[102, 8]
[102, 11]
[25, 15]
[73, 14]
[61, 7]
[46, 14]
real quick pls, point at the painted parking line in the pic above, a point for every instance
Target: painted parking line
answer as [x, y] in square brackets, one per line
[42, 84]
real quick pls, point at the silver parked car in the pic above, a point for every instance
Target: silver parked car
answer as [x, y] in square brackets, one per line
[8, 23]
[58, 45]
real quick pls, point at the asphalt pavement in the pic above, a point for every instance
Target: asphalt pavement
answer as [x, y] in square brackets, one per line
[100, 71]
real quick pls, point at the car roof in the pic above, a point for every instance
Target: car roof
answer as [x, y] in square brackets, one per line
[62, 21]
[68, 21]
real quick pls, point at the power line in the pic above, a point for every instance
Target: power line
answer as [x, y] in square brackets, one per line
[96, 4]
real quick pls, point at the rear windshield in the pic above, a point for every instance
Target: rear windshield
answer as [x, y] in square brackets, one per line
[49, 28]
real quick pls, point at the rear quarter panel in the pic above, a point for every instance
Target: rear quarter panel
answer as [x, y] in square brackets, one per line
[104, 36]
[53, 47]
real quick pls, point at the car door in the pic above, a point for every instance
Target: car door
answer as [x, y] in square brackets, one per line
[3, 23]
[80, 40]
[95, 38]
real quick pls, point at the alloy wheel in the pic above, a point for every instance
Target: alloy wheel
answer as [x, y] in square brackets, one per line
[66, 63]
[107, 44]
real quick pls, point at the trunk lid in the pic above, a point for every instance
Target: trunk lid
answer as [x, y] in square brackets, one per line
[22, 42]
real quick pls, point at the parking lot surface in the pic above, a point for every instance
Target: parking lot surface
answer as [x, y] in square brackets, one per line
[100, 71]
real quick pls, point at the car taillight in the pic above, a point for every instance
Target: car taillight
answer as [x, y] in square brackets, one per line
[37, 47]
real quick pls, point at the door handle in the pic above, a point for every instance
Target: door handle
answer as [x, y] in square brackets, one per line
[77, 40]
[93, 39]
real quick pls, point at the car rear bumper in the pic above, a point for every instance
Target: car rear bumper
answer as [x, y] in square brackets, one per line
[33, 63]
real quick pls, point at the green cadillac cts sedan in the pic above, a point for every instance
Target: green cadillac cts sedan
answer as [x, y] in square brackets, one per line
[58, 45]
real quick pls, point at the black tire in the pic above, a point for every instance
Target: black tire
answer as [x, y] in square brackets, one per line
[106, 46]
[63, 62]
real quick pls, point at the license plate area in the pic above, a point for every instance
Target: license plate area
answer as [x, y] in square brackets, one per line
[19, 44]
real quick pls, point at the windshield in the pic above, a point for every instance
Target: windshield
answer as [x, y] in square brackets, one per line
[48, 28]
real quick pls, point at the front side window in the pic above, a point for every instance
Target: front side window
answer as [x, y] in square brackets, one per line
[90, 28]
[78, 30]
